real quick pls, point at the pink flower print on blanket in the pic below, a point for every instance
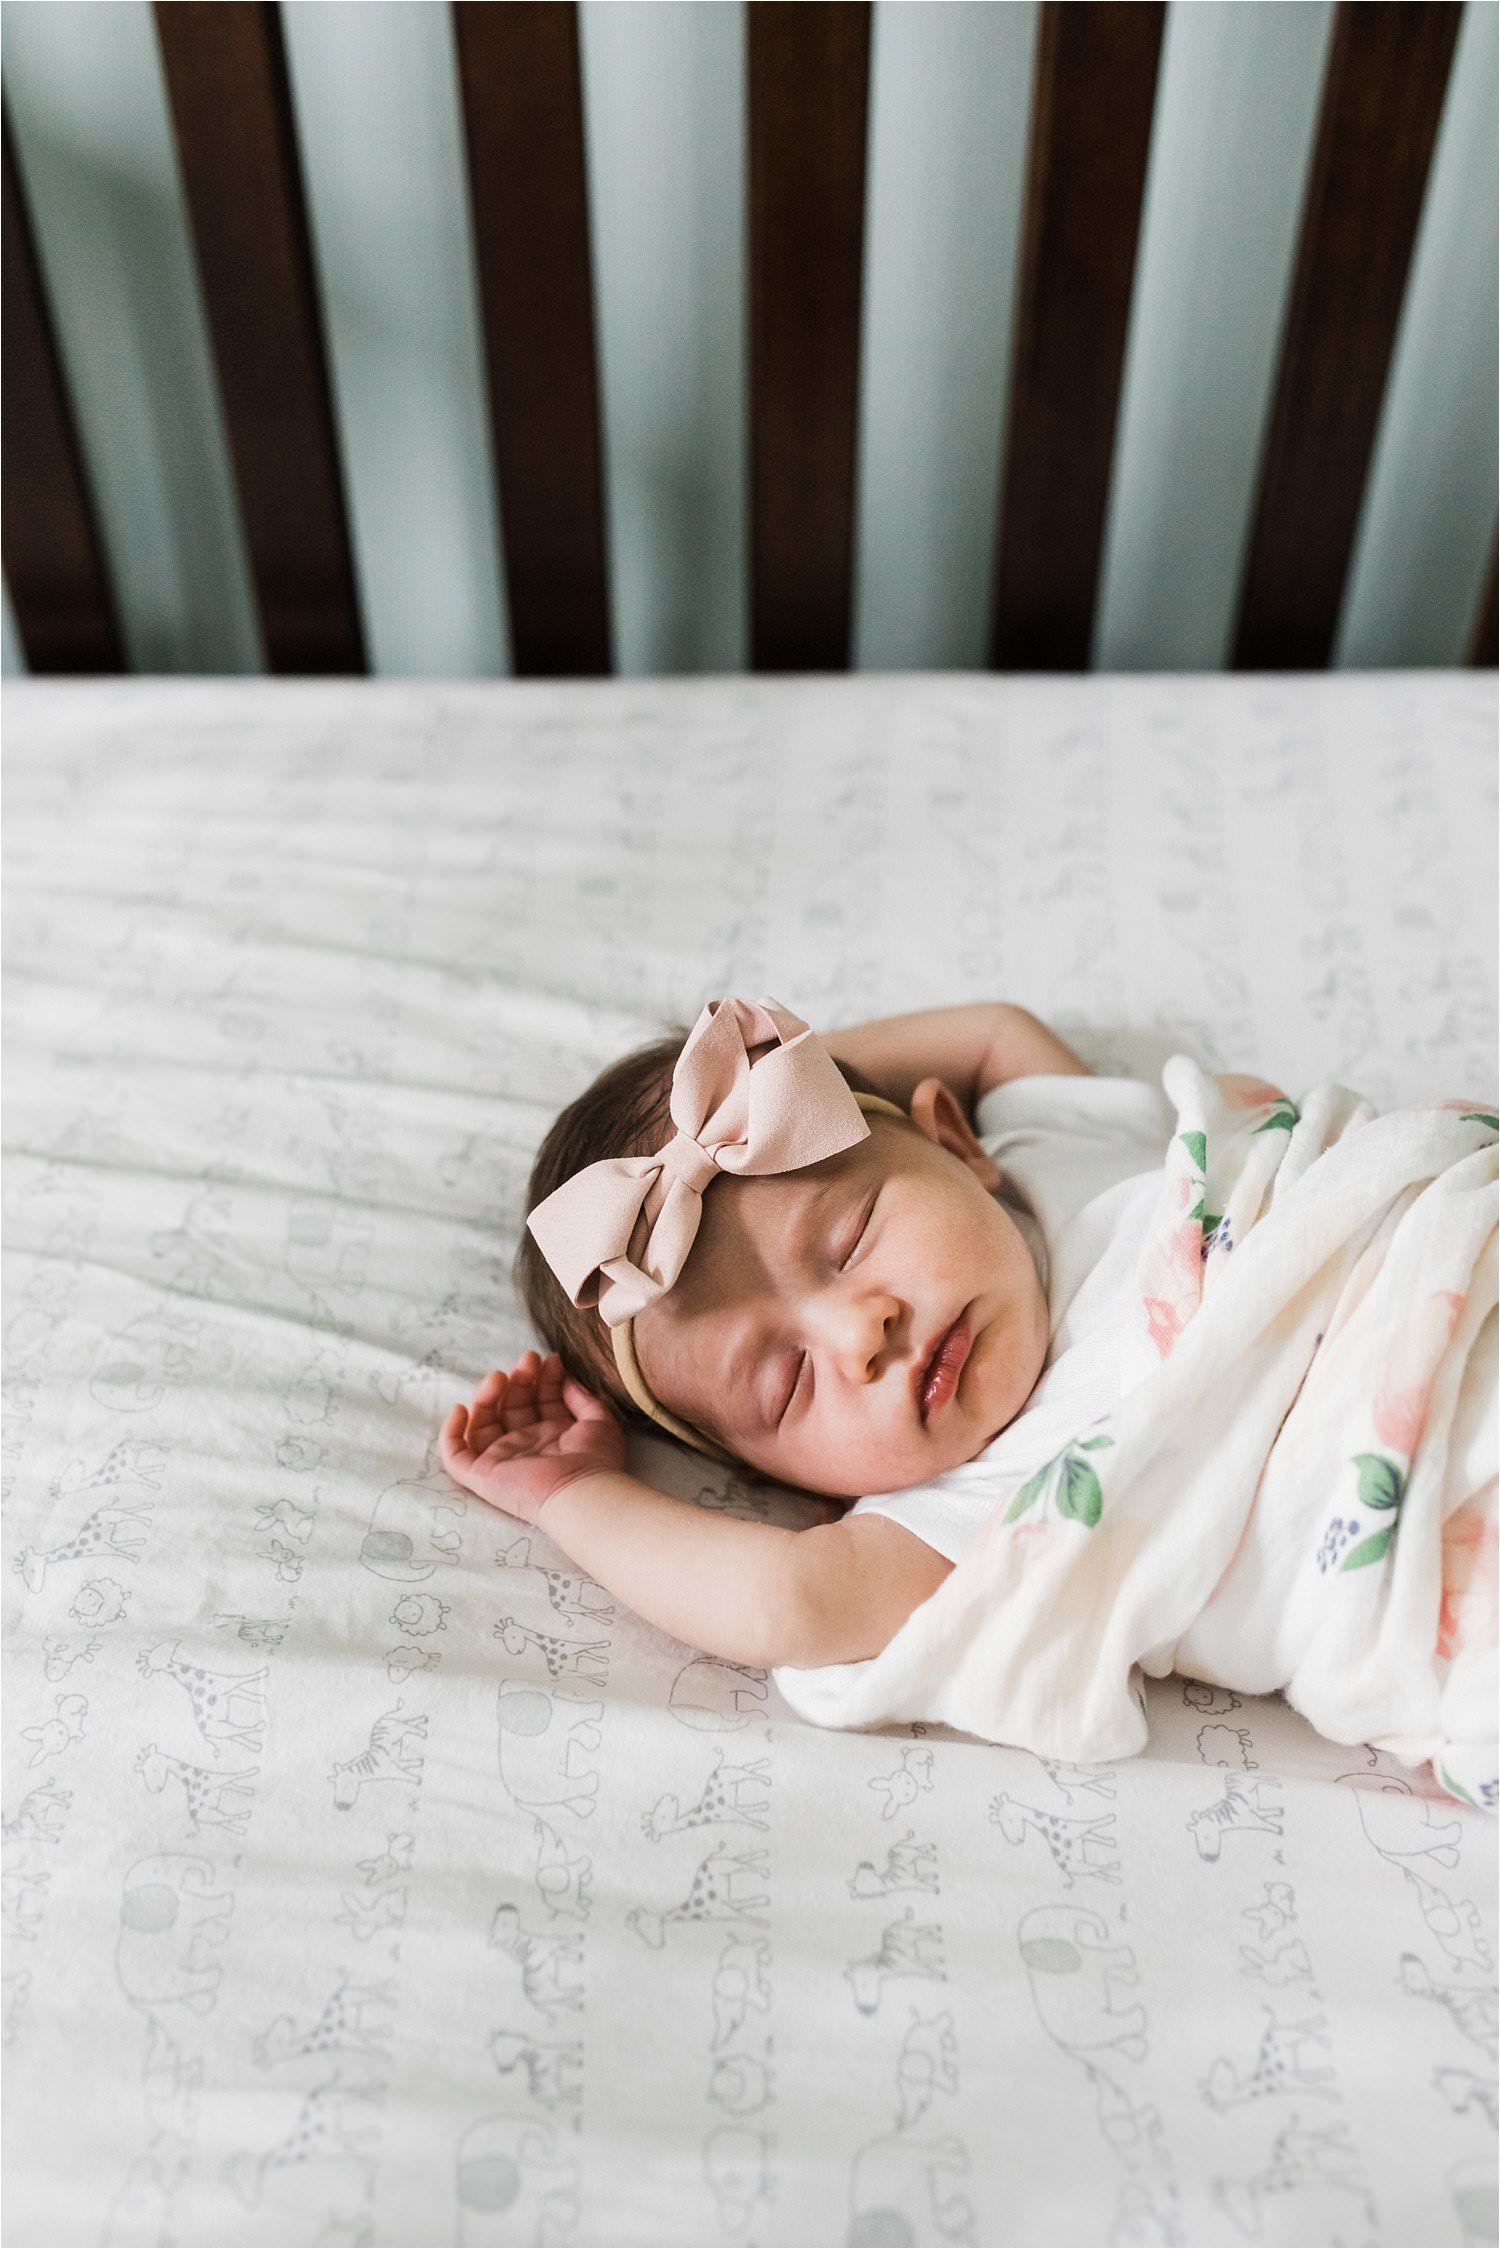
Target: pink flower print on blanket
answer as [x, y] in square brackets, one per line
[1242, 1092]
[1405, 1390]
[1470, 1611]
[1173, 1281]
[1398, 1413]
[1472, 1112]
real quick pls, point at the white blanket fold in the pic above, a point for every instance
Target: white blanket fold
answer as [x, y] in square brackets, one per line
[1271, 1504]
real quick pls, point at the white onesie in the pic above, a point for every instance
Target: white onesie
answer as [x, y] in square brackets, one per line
[1088, 1153]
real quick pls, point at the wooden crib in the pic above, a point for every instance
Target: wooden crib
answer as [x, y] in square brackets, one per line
[807, 81]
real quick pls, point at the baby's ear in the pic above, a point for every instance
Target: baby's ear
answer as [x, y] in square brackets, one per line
[937, 1111]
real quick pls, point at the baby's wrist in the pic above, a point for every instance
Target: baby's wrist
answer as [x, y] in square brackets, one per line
[572, 1483]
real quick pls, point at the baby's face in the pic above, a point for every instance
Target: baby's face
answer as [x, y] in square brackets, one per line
[802, 1325]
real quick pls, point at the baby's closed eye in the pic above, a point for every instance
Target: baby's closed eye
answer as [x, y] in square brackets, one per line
[845, 1250]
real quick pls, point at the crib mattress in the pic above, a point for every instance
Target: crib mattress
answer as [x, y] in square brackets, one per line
[368, 1877]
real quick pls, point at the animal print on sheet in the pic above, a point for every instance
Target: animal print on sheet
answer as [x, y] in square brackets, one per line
[370, 1875]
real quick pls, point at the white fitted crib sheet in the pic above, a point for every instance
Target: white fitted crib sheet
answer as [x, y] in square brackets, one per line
[362, 1882]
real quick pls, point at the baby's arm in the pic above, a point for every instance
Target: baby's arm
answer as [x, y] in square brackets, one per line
[538, 1446]
[728, 1587]
[970, 1048]
[750, 1592]
[541, 1448]
[861, 1578]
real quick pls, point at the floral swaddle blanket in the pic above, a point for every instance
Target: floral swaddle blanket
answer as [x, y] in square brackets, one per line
[1274, 1503]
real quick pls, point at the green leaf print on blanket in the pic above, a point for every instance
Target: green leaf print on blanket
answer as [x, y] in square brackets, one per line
[1079, 1494]
[1480, 1116]
[1370, 1550]
[1382, 1487]
[1285, 1117]
[1196, 1144]
[1451, 1784]
[1381, 1483]
[1209, 1220]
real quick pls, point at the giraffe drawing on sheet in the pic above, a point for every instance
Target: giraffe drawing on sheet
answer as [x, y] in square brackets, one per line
[568, 1594]
[336, 2121]
[579, 1659]
[227, 1705]
[1085, 1845]
[342, 2027]
[134, 1460]
[731, 1793]
[1279, 2067]
[103, 1532]
[1473, 2009]
[728, 1886]
[209, 1795]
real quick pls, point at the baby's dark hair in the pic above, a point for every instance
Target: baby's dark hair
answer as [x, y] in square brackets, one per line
[623, 1113]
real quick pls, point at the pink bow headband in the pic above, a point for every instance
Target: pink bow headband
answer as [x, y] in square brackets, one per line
[754, 1091]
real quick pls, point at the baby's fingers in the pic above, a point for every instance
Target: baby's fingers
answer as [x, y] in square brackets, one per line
[520, 1396]
[582, 1404]
[549, 1388]
[453, 1438]
[484, 1408]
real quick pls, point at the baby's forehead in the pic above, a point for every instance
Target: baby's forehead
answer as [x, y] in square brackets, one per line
[736, 1209]
[752, 1201]
[743, 1217]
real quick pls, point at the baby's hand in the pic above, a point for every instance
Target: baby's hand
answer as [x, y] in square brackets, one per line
[526, 1434]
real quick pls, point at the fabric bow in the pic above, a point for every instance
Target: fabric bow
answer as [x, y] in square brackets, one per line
[753, 1092]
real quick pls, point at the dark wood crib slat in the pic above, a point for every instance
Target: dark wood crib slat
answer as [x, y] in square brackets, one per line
[1092, 104]
[230, 99]
[1483, 650]
[807, 82]
[522, 94]
[54, 557]
[1382, 100]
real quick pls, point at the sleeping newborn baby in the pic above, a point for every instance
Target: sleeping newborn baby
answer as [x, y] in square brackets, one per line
[859, 1313]
[799, 1256]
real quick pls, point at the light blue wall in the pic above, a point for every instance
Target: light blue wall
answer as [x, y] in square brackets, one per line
[377, 107]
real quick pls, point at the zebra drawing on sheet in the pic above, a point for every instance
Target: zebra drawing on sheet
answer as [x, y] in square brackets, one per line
[387, 1757]
[1241, 1808]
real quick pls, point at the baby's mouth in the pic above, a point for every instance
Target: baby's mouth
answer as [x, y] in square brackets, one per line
[938, 1379]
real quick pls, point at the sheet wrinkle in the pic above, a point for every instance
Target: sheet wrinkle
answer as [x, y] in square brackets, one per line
[787, 2083]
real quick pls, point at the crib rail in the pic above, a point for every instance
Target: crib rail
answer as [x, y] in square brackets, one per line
[1382, 98]
[808, 93]
[231, 108]
[1092, 101]
[523, 126]
[53, 555]
[807, 81]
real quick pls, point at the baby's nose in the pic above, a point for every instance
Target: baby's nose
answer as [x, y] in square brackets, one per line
[860, 1330]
